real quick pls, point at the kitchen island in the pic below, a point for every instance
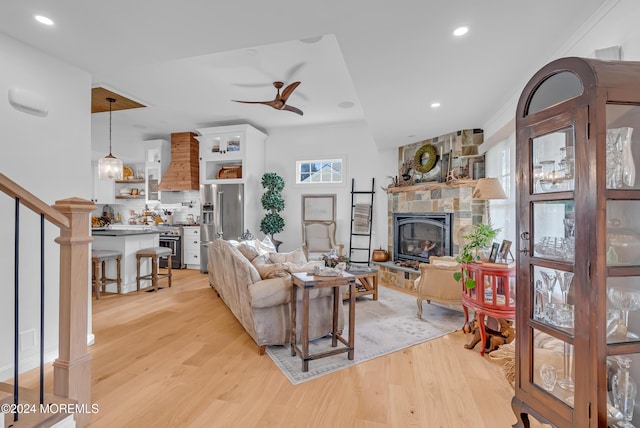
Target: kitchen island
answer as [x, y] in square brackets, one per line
[128, 242]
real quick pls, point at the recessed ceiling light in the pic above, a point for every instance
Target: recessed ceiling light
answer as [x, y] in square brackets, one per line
[43, 20]
[435, 105]
[460, 31]
[311, 40]
[346, 104]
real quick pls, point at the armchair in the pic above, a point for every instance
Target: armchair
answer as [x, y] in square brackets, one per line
[436, 282]
[319, 237]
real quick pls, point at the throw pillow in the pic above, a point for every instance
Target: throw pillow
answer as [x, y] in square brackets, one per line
[265, 246]
[268, 270]
[296, 257]
[248, 250]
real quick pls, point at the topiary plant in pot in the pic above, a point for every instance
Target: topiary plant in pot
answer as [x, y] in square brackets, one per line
[477, 240]
[273, 203]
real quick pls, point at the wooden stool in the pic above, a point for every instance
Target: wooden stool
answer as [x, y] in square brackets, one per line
[154, 253]
[99, 258]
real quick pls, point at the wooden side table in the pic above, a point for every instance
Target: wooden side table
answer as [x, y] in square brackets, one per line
[308, 282]
[366, 282]
[494, 295]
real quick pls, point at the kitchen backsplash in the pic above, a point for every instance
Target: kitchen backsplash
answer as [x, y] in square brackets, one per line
[180, 204]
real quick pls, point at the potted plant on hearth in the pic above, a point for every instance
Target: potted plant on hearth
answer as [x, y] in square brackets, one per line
[273, 203]
[477, 241]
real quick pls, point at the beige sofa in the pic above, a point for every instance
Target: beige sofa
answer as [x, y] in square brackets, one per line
[262, 304]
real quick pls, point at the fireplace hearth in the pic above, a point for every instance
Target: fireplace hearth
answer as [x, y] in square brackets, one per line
[417, 236]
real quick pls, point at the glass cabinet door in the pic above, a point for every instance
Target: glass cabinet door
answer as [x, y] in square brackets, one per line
[578, 323]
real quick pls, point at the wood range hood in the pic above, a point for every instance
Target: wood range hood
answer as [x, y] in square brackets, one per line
[183, 172]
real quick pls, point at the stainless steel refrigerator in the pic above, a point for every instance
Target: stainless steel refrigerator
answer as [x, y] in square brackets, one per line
[222, 215]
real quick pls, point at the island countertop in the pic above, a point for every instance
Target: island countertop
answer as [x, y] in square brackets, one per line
[128, 232]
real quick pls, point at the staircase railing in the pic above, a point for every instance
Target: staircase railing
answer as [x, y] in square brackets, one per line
[72, 368]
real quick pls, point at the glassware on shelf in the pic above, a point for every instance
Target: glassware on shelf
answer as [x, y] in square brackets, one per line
[556, 248]
[626, 299]
[624, 392]
[539, 306]
[549, 281]
[564, 279]
[621, 170]
[548, 377]
[616, 328]
[567, 382]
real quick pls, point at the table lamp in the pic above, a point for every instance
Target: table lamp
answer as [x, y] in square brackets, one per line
[487, 189]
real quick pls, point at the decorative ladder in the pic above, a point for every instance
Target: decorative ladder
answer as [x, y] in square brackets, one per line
[72, 368]
[361, 213]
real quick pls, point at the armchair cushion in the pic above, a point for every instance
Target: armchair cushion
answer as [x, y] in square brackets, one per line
[317, 245]
[319, 237]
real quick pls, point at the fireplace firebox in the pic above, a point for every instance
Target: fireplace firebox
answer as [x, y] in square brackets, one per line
[417, 236]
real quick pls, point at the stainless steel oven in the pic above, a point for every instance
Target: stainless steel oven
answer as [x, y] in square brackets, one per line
[171, 237]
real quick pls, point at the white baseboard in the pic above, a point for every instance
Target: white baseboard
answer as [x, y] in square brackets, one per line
[28, 363]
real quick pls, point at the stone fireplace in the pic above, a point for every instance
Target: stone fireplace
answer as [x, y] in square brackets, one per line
[452, 199]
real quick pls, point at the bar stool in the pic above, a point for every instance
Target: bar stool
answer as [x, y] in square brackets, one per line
[154, 253]
[99, 280]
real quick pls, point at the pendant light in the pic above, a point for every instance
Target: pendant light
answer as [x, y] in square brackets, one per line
[110, 167]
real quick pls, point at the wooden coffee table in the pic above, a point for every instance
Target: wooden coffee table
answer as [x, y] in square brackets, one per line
[307, 283]
[366, 282]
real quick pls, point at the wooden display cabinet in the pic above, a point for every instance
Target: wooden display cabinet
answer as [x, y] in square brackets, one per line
[578, 259]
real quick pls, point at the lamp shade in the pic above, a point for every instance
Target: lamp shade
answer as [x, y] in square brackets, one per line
[488, 188]
[110, 168]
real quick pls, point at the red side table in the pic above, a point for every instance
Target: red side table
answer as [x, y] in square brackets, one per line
[494, 294]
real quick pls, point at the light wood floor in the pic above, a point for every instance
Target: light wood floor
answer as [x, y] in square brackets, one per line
[179, 358]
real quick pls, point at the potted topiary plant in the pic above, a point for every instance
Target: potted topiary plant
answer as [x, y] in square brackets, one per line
[273, 203]
[477, 240]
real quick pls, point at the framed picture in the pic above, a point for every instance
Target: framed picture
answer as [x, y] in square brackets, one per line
[318, 207]
[505, 250]
[494, 252]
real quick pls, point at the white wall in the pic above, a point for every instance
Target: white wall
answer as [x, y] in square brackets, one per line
[616, 24]
[363, 162]
[50, 157]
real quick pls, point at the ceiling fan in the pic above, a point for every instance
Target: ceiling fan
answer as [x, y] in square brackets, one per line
[280, 101]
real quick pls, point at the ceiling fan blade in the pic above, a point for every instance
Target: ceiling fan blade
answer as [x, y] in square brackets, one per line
[293, 109]
[288, 91]
[289, 75]
[268, 103]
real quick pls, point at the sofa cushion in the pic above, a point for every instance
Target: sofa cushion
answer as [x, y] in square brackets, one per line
[270, 292]
[296, 257]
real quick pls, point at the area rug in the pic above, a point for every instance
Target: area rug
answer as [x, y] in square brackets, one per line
[383, 326]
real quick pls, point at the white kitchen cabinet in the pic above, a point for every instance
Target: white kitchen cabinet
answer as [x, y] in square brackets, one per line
[191, 246]
[157, 158]
[218, 151]
[103, 190]
[228, 154]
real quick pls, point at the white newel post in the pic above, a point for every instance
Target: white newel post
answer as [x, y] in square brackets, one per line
[72, 368]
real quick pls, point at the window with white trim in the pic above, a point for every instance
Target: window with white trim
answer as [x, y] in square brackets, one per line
[499, 162]
[320, 171]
